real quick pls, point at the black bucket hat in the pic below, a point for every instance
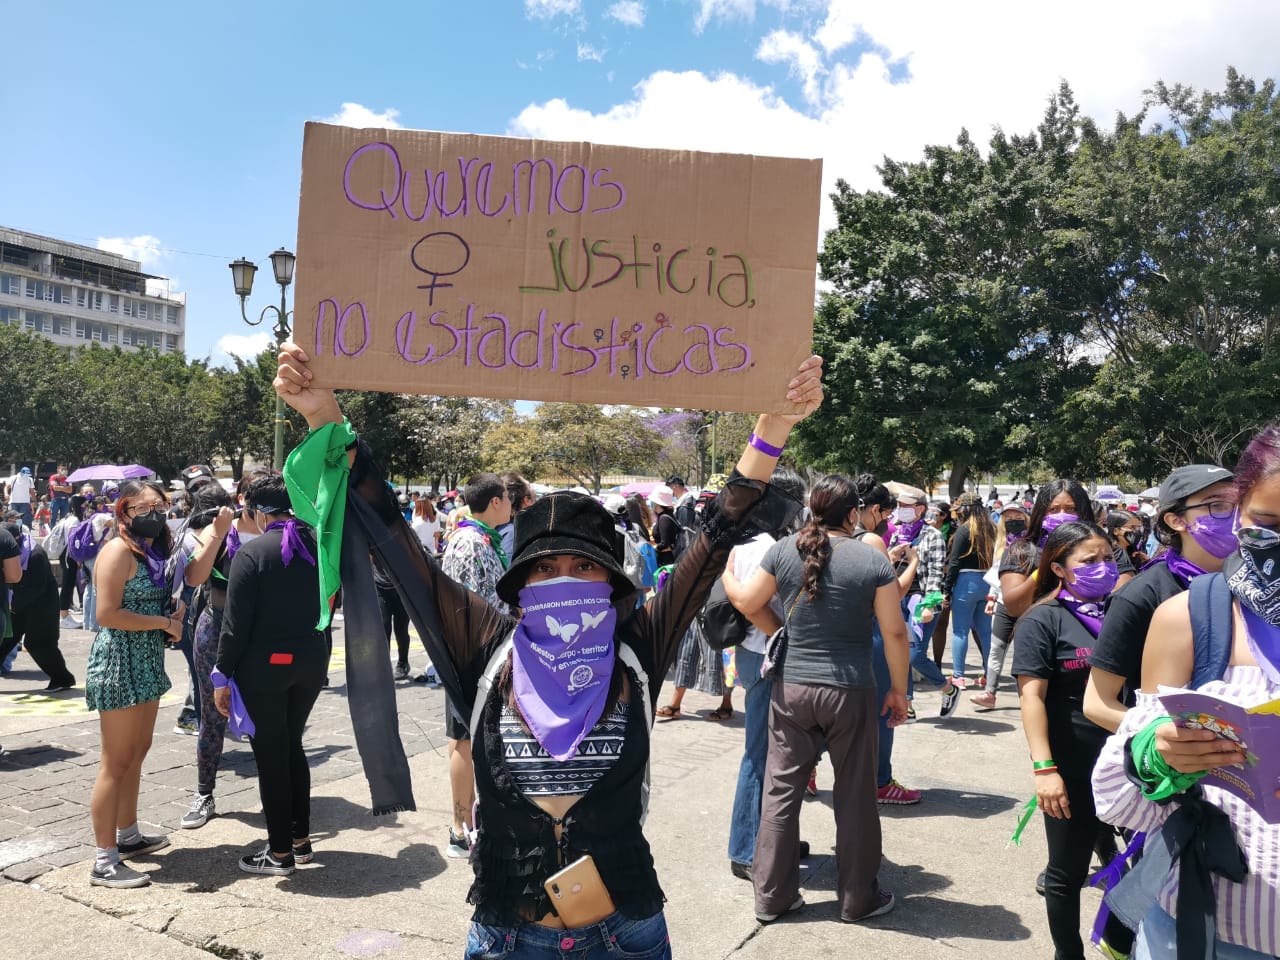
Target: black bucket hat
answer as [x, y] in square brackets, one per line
[564, 522]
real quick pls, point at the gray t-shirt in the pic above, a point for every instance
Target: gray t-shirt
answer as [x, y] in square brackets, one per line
[829, 640]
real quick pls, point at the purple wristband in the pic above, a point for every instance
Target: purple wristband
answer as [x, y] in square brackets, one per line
[764, 446]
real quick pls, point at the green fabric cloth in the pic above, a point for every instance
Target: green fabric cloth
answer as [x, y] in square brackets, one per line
[316, 476]
[1161, 780]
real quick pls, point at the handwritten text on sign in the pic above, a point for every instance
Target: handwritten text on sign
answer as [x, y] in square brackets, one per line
[483, 266]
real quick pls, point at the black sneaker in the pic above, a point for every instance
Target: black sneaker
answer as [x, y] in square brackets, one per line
[459, 845]
[264, 863]
[142, 845]
[302, 853]
[117, 875]
[950, 696]
[57, 686]
[740, 870]
[202, 808]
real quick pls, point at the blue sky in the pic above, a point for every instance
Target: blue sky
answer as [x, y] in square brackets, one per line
[173, 131]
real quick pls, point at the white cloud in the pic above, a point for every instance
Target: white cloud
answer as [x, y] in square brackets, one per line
[546, 9]
[800, 56]
[709, 10]
[587, 52]
[628, 12]
[358, 115]
[996, 69]
[146, 249]
[246, 346]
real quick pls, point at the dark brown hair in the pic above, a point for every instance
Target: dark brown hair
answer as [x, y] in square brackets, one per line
[831, 501]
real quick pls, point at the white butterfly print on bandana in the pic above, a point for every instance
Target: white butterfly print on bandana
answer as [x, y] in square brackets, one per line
[590, 623]
[564, 631]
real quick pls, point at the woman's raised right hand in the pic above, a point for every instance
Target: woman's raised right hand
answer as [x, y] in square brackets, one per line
[292, 384]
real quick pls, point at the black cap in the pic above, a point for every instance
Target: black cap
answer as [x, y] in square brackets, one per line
[196, 476]
[564, 522]
[675, 480]
[1185, 481]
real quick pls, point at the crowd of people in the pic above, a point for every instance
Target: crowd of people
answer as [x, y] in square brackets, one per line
[552, 623]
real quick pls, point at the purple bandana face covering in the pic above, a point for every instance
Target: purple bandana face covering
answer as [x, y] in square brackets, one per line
[1215, 535]
[1094, 581]
[1052, 521]
[562, 660]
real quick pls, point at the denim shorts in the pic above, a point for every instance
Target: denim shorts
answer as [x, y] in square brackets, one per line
[616, 937]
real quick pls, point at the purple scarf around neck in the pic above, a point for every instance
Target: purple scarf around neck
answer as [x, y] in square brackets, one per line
[907, 532]
[1183, 569]
[1088, 612]
[291, 542]
[562, 660]
[155, 561]
[232, 542]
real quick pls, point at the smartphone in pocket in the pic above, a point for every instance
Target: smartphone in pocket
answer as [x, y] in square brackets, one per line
[579, 895]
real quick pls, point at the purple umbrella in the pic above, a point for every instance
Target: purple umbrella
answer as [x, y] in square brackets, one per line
[643, 488]
[110, 471]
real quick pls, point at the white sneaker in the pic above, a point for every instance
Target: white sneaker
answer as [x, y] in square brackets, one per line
[70, 623]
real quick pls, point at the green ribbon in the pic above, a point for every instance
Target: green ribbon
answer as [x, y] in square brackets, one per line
[495, 538]
[1161, 780]
[1028, 811]
[930, 601]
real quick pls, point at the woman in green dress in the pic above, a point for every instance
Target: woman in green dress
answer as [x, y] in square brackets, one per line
[125, 678]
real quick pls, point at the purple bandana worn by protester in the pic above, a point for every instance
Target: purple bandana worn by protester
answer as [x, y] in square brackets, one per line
[1051, 522]
[1084, 598]
[24, 548]
[1183, 570]
[562, 660]
[907, 532]
[239, 723]
[291, 542]
[155, 561]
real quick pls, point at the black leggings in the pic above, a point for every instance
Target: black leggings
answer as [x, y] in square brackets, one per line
[395, 618]
[36, 628]
[279, 698]
[69, 570]
[1071, 844]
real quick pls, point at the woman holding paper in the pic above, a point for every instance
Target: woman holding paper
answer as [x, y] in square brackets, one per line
[561, 699]
[272, 652]
[1155, 775]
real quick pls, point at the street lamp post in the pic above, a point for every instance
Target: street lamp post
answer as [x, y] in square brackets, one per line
[242, 271]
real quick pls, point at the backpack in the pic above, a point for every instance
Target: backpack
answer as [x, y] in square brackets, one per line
[632, 561]
[722, 623]
[686, 519]
[649, 555]
[56, 543]
[1212, 619]
[81, 546]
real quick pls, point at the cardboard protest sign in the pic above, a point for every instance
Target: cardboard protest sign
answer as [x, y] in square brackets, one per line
[466, 265]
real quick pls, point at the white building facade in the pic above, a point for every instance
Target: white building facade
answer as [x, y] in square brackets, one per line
[75, 295]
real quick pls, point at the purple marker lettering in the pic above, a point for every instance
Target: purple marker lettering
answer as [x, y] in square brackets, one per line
[705, 345]
[442, 191]
[638, 367]
[468, 335]
[404, 338]
[580, 195]
[483, 182]
[605, 255]
[537, 335]
[504, 331]
[608, 184]
[320, 314]
[744, 274]
[746, 351]
[648, 355]
[395, 178]
[435, 321]
[531, 168]
[404, 197]
[567, 342]
[340, 331]
[555, 346]
[671, 265]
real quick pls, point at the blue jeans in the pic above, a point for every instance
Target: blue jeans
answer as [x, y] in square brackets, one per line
[969, 612]
[613, 937]
[744, 822]
[880, 667]
[921, 653]
[1157, 940]
[58, 508]
[25, 510]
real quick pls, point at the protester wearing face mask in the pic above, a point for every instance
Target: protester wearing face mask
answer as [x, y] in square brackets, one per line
[1076, 575]
[542, 805]
[1128, 532]
[1011, 528]
[926, 586]
[125, 677]
[1196, 513]
[271, 666]
[34, 615]
[1226, 900]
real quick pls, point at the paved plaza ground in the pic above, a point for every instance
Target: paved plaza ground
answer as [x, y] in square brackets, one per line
[382, 888]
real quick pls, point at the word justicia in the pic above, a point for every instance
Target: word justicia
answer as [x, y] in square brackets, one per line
[492, 341]
[479, 187]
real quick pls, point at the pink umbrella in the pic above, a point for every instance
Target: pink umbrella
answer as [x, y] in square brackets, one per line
[643, 488]
[110, 471]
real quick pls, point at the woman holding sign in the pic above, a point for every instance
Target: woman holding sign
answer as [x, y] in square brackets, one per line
[1221, 637]
[561, 698]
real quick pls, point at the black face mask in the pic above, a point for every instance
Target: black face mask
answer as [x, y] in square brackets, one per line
[882, 528]
[1015, 528]
[148, 526]
[15, 529]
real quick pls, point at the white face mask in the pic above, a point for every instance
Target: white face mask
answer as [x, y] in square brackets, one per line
[905, 514]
